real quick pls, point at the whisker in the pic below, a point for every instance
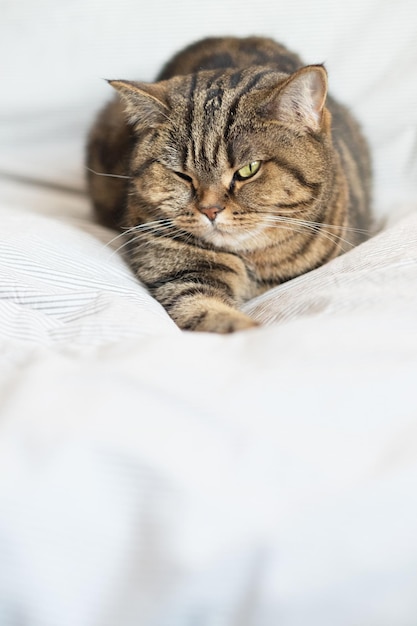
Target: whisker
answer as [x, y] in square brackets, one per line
[167, 117]
[258, 236]
[107, 175]
[146, 226]
[138, 236]
[336, 239]
[136, 228]
[292, 213]
[314, 227]
[181, 232]
[346, 228]
[167, 228]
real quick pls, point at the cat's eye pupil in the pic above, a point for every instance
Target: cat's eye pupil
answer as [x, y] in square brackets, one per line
[249, 170]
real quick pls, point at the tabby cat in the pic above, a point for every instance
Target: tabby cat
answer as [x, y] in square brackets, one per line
[231, 174]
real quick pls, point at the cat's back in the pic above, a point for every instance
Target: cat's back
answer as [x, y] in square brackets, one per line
[220, 53]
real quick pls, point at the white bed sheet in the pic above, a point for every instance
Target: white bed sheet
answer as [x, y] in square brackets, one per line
[154, 477]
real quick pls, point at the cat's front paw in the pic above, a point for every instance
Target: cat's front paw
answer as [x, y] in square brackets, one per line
[223, 322]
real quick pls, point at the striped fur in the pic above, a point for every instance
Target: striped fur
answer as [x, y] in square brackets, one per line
[200, 236]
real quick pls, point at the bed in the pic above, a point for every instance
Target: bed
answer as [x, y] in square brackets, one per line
[157, 477]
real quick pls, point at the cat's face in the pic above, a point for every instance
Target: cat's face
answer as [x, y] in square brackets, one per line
[223, 158]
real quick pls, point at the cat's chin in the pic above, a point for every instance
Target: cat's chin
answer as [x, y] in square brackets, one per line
[232, 239]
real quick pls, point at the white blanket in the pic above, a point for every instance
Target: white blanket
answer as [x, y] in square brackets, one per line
[158, 478]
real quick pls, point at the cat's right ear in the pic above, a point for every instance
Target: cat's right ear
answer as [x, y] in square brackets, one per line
[145, 103]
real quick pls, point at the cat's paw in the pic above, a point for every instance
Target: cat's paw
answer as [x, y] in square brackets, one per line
[223, 322]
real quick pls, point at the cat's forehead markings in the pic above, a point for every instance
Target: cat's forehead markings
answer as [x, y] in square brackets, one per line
[214, 100]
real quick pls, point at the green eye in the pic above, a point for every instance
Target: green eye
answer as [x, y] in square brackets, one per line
[248, 170]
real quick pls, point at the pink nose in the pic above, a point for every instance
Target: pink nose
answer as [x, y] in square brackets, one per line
[211, 211]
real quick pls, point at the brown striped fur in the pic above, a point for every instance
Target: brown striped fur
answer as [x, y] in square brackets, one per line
[200, 236]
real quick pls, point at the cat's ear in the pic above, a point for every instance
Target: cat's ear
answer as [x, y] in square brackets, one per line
[300, 100]
[145, 103]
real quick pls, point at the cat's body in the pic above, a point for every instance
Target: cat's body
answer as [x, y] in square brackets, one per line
[241, 175]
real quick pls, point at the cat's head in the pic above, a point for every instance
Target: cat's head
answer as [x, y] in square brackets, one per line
[222, 155]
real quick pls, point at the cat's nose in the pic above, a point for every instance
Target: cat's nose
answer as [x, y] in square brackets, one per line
[211, 211]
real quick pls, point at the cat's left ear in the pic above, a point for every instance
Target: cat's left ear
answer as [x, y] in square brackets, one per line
[145, 103]
[300, 100]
